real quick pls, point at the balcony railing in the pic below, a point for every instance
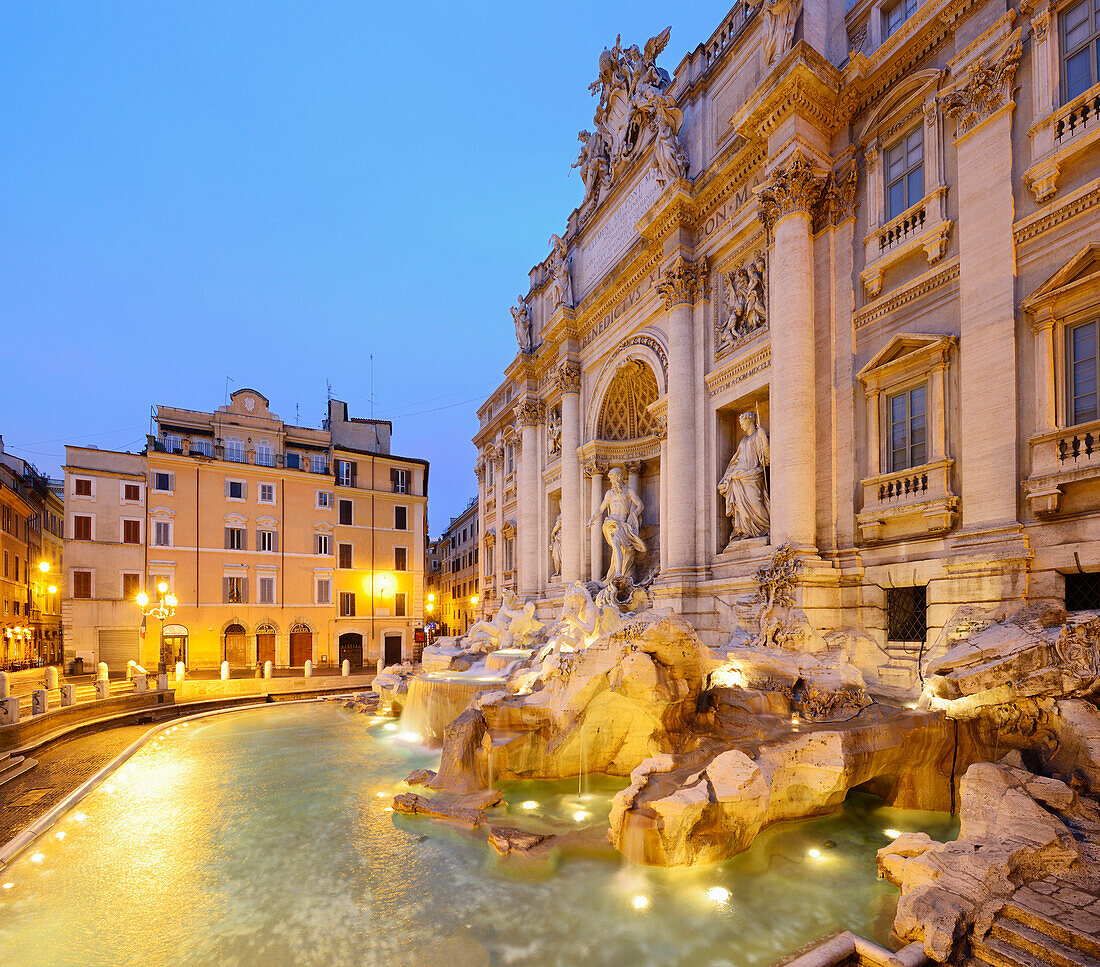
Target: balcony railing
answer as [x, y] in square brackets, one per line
[1077, 446]
[729, 30]
[908, 225]
[906, 485]
[1081, 115]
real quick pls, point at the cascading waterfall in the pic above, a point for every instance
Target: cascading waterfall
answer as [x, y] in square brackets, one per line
[436, 699]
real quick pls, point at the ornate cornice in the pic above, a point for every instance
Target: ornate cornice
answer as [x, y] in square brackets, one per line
[681, 282]
[1035, 225]
[914, 290]
[987, 88]
[568, 378]
[529, 412]
[794, 188]
[659, 427]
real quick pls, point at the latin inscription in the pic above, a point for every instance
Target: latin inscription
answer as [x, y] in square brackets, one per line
[618, 233]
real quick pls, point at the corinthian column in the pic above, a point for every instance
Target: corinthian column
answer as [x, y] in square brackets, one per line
[568, 379]
[786, 206]
[678, 288]
[528, 416]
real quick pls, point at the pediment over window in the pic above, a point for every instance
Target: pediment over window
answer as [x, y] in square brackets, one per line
[1074, 287]
[489, 537]
[509, 528]
[905, 350]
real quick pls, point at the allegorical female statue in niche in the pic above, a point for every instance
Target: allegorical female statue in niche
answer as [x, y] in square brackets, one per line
[620, 526]
[743, 485]
[555, 545]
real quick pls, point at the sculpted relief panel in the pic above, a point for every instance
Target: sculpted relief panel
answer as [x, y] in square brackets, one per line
[744, 304]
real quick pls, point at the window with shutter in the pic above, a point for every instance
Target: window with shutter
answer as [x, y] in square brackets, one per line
[161, 534]
[82, 487]
[82, 584]
[347, 604]
[401, 518]
[131, 532]
[130, 586]
[267, 590]
[344, 556]
[82, 528]
[400, 558]
[345, 512]
[399, 604]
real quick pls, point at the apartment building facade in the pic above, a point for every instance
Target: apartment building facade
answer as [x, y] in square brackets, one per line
[280, 543]
[460, 582]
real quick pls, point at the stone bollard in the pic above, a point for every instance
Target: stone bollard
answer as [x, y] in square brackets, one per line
[225, 671]
[40, 701]
[51, 677]
[162, 682]
[268, 669]
[181, 671]
[4, 685]
[68, 695]
[102, 689]
[141, 683]
[381, 665]
[308, 670]
[9, 710]
[345, 668]
[101, 672]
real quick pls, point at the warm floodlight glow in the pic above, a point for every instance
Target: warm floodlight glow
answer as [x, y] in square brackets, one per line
[388, 809]
[474, 598]
[892, 833]
[718, 894]
[814, 854]
[38, 857]
[530, 804]
[640, 902]
[142, 599]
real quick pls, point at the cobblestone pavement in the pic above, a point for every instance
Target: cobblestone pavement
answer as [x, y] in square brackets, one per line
[62, 767]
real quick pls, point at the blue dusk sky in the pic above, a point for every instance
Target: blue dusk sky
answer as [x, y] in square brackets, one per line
[274, 191]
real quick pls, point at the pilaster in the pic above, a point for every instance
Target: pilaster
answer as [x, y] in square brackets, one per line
[568, 380]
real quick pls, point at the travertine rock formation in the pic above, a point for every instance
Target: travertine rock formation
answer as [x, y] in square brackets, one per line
[1016, 828]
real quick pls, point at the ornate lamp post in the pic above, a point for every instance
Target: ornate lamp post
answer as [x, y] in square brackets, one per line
[162, 610]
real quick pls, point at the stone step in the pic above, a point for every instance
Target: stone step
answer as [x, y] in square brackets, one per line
[1041, 944]
[13, 766]
[1001, 953]
[1057, 930]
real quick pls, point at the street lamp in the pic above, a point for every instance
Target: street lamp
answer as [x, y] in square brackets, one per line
[162, 610]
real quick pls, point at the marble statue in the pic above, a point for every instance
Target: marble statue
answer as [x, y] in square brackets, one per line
[555, 545]
[669, 158]
[485, 635]
[746, 303]
[523, 628]
[561, 288]
[747, 503]
[521, 313]
[623, 509]
[780, 17]
[553, 431]
[594, 163]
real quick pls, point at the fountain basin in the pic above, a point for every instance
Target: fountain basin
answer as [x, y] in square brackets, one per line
[435, 699]
[504, 658]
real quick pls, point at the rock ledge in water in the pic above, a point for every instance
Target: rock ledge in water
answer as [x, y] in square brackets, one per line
[412, 804]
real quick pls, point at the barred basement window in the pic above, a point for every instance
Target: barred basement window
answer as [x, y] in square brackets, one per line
[1083, 592]
[906, 614]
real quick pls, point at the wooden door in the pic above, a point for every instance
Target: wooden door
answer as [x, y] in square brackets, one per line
[265, 647]
[351, 649]
[236, 648]
[392, 650]
[301, 647]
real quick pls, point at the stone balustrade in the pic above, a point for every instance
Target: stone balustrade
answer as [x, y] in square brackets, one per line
[907, 225]
[1078, 117]
[728, 31]
[908, 503]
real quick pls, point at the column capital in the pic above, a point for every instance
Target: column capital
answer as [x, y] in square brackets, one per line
[479, 470]
[594, 469]
[682, 281]
[794, 188]
[985, 88]
[528, 412]
[840, 194]
[568, 378]
[633, 466]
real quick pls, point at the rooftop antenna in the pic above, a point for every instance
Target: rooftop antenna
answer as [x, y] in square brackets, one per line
[228, 380]
[372, 386]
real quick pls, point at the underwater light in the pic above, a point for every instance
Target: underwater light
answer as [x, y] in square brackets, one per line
[814, 854]
[61, 835]
[640, 902]
[8, 886]
[38, 858]
[892, 833]
[580, 816]
[530, 804]
[390, 726]
[80, 817]
[108, 788]
[718, 894]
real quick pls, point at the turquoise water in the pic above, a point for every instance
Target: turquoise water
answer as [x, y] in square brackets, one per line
[259, 839]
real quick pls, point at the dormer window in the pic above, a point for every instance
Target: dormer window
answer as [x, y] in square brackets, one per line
[904, 173]
[1081, 47]
[896, 14]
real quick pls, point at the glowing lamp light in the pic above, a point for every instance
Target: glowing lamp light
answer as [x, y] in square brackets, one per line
[474, 598]
[44, 567]
[171, 600]
[142, 599]
[52, 589]
[892, 833]
[431, 599]
[814, 854]
[640, 902]
[162, 586]
[429, 607]
[580, 816]
[718, 894]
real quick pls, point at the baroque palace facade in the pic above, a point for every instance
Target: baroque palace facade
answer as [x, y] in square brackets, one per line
[835, 283]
